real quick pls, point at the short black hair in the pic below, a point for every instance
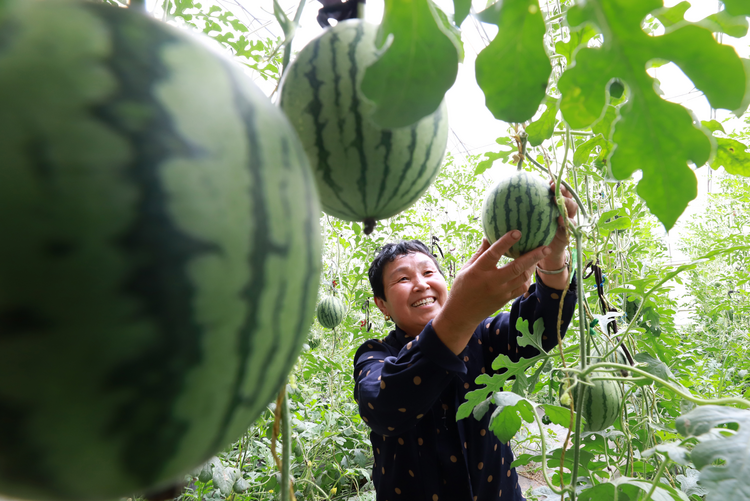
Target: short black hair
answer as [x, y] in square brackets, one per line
[387, 254]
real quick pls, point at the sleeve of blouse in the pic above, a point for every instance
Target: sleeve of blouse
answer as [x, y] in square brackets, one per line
[539, 301]
[394, 391]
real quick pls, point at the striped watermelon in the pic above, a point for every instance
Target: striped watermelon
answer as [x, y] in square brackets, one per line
[522, 202]
[363, 172]
[160, 255]
[331, 311]
[601, 402]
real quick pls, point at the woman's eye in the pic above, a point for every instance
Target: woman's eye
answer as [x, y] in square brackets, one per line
[402, 279]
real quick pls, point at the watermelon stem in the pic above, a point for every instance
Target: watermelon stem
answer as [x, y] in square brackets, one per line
[582, 343]
[369, 225]
[524, 137]
[572, 191]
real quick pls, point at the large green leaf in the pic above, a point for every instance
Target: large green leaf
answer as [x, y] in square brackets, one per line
[544, 127]
[729, 481]
[461, 9]
[652, 135]
[420, 63]
[506, 419]
[513, 69]
[722, 21]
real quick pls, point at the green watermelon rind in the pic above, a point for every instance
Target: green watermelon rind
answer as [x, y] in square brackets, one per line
[331, 312]
[521, 202]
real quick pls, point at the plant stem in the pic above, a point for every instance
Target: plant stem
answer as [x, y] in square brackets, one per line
[659, 473]
[687, 396]
[286, 457]
[572, 133]
[572, 190]
[582, 347]
[544, 457]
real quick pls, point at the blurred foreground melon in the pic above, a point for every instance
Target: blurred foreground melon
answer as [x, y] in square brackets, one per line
[160, 253]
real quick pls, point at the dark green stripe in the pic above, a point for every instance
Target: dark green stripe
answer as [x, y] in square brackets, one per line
[260, 252]
[386, 141]
[160, 283]
[315, 109]
[359, 139]
[406, 168]
[436, 119]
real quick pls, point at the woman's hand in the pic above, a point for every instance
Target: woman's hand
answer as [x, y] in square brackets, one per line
[559, 245]
[481, 288]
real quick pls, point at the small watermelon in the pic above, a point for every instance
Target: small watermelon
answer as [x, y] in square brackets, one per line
[160, 256]
[521, 202]
[331, 311]
[601, 402]
[363, 172]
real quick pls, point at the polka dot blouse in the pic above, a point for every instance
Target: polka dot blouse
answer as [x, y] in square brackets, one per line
[408, 390]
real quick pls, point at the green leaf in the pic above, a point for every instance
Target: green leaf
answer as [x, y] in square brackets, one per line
[420, 63]
[527, 338]
[723, 22]
[713, 125]
[620, 223]
[631, 489]
[733, 156]
[491, 157]
[583, 151]
[669, 16]
[737, 7]
[746, 100]
[461, 9]
[577, 38]
[513, 69]
[730, 480]
[558, 415]
[653, 366]
[543, 128]
[604, 125]
[506, 419]
[674, 450]
[653, 135]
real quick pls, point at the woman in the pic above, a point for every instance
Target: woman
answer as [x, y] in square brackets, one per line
[410, 384]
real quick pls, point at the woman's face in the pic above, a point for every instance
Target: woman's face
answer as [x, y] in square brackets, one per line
[415, 292]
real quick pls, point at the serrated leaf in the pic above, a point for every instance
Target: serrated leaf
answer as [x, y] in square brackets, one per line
[729, 481]
[506, 419]
[491, 158]
[544, 127]
[652, 135]
[224, 479]
[409, 81]
[733, 156]
[527, 338]
[583, 151]
[513, 69]
[241, 485]
[461, 9]
[689, 483]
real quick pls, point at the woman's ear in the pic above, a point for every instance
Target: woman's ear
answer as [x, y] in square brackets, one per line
[382, 305]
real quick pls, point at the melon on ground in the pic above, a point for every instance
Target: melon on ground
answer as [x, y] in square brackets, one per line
[521, 202]
[363, 172]
[160, 254]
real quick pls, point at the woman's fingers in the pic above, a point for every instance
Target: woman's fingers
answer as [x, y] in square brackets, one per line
[489, 259]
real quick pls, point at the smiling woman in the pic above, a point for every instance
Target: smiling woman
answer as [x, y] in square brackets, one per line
[410, 384]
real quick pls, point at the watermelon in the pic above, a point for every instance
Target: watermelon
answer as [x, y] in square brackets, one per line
[363, 172]
[521, 202]
[160, 256]
[331, 311]
[601, 402]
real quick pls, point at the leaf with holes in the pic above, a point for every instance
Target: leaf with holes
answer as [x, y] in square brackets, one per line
[653, 135]
[730, 480]
[733, 156]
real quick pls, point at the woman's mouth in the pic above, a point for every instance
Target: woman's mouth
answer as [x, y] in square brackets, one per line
[424, 301]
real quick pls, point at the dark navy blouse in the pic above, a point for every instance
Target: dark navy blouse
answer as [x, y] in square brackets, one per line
[408, 390]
